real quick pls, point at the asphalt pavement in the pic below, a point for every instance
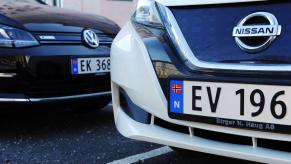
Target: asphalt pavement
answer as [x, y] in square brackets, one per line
[66, 136]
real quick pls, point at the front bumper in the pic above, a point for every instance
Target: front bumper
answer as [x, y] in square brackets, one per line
[42, 74]
[138, 79]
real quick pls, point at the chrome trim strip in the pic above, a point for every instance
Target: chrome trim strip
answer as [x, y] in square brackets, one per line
[8, 74]
[13, 100]
[52, 99]
[60, 42]
[69, 42]
[193, 63]
[55, 99]
[201, 2]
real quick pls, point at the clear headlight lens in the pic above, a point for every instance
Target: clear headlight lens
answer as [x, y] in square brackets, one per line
[12, 37]
[147, 14]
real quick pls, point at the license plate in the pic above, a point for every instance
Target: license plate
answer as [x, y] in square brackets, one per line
[250, 106]
[90, 65]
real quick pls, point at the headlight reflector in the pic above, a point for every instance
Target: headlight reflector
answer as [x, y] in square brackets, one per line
[12, 37]
[147, 14]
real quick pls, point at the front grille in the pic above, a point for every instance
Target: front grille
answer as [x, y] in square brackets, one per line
[224, 137]
[68, 87]
[275, 145]
[208, 32]
[174, 127]
[70, 38]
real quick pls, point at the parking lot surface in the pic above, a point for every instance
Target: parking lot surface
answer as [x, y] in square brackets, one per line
[45, 136]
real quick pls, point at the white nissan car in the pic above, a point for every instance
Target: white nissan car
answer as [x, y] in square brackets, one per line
[210, 76]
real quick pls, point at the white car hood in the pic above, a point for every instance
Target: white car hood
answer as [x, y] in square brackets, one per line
[199, 2]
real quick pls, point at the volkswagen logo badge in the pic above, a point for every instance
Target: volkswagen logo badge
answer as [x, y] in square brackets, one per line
[91, 38]
[256, 32]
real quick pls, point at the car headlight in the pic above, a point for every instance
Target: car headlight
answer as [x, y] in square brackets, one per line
[12, 37]
[147, 14]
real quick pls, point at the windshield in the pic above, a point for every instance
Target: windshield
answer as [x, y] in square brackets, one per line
[28, 1]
